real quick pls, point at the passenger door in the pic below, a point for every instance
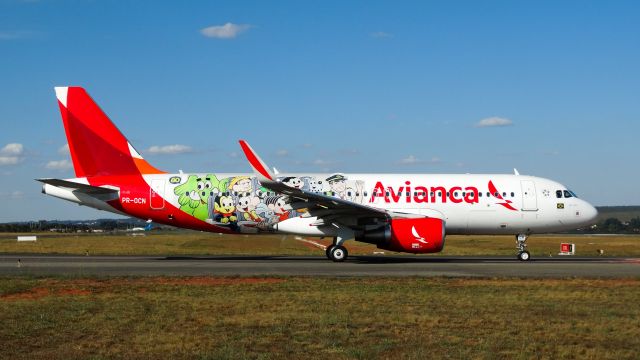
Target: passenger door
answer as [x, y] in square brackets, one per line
[529, 197]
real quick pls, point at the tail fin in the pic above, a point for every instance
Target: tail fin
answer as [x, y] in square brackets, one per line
[97, 147]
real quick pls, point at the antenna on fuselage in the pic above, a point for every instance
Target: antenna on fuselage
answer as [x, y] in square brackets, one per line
[515, 171]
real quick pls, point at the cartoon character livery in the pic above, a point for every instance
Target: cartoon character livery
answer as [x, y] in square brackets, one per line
[397, 212]
[194, 194]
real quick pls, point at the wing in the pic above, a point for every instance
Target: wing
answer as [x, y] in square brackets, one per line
[319, 205]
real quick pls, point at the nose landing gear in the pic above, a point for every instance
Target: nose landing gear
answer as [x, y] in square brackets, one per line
[521, 241]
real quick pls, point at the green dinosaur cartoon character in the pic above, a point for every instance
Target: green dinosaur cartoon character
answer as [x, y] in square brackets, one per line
[194, 194]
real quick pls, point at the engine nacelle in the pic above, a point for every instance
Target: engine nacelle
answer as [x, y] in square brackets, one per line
[418, 236]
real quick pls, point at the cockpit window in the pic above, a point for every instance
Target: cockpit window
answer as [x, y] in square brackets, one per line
[559, 194]
[572, 194]
[568, 194]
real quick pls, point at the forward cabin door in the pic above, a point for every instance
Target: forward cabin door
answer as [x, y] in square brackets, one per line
[156, 196]
[529, 198]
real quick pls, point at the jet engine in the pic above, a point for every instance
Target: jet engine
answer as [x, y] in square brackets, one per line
[418, 236]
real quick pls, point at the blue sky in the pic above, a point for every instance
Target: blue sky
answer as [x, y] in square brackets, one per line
[361, 86]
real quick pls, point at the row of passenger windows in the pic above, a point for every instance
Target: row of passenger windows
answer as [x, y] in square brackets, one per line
[439, 193]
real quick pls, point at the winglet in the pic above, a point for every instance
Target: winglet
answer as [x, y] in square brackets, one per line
[259, 167]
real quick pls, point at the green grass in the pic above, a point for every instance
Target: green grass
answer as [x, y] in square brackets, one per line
[189, 242]
[302, 318]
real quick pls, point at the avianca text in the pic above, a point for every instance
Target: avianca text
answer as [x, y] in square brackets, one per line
[424, 194]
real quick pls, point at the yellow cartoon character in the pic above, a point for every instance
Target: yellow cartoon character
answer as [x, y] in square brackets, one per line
[240, 184]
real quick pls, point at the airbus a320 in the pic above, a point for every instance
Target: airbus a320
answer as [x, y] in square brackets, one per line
[398, 212]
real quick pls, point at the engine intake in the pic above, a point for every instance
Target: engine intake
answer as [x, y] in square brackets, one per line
[418, 236]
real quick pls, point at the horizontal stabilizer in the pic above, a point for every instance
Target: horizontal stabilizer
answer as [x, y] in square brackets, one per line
[84, 188]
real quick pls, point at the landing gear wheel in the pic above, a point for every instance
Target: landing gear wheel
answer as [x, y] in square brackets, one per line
[338, 253]
[328, 251]
[524, 256]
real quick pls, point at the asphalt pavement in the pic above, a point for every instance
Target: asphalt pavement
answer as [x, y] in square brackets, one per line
[557, 267]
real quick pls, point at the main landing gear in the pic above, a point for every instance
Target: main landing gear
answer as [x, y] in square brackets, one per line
[337, 253]
[521, 241]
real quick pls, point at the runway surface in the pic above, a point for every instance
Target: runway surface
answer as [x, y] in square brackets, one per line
[317, 266]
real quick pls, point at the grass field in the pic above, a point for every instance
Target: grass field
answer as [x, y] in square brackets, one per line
[187, 242]
[302, 318]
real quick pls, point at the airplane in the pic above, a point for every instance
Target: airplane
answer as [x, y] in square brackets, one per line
[409, 213]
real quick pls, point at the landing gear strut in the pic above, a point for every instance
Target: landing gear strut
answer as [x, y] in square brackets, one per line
[521, 241]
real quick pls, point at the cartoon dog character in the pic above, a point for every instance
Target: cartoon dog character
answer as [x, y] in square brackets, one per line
[293, 182]
[316, 186]
[194, 194]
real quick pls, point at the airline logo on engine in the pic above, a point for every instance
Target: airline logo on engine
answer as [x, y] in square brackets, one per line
[415, 234]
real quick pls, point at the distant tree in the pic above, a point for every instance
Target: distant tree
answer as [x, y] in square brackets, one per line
[634, 224]
[612, 226]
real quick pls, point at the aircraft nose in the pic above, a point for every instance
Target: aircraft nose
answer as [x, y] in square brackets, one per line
[590, 213]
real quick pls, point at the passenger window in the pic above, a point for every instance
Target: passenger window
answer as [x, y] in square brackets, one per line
[512, 194]
[559, 194]
[479, 194]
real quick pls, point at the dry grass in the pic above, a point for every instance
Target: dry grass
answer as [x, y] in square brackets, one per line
[182, 243]
[301, 318]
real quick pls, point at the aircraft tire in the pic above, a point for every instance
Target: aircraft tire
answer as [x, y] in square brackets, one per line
[524, 256]
[338, 253]
[328, 251]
